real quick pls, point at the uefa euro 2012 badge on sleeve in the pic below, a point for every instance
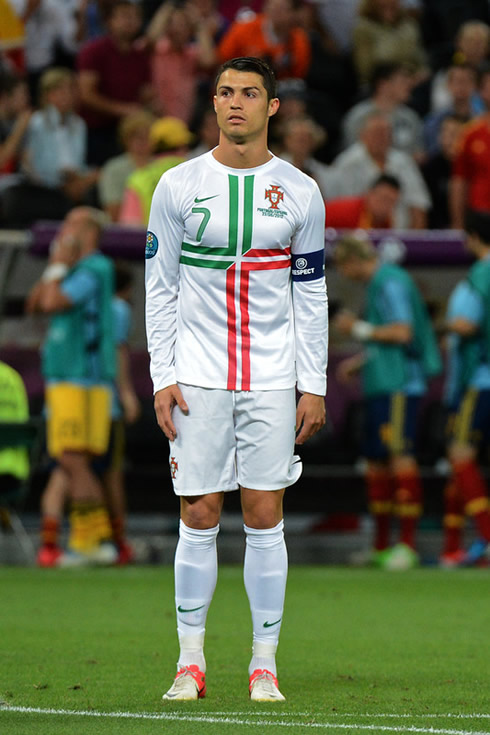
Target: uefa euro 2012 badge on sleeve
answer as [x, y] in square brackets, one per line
[151, 245]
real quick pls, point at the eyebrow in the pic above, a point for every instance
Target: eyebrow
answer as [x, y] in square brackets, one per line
[243, 89]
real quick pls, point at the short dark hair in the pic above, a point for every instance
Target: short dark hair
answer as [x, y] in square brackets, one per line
[477, 223]
[254, 65]
[9, 82]
[387, 180]
[111, 8]
[383, 71]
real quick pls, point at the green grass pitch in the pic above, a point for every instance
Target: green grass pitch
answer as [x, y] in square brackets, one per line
[362, 651]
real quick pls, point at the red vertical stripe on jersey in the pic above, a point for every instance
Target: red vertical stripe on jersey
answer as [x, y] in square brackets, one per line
[244, 312]
[231, 321]
[245, 325]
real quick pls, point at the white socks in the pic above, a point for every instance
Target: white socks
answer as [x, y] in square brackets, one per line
[265, 574]
[196, 572]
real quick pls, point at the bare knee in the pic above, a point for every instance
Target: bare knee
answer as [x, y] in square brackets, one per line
[261, 508]
[459, 453]
[202, 511]
[404, 463]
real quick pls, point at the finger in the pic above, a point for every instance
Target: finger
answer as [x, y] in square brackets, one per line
[303, 434]
[169, 429]
[164, 418]
[182, 404]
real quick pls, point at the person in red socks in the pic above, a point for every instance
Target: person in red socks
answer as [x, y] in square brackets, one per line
[468, 394]
[401, 354]
[125, 410]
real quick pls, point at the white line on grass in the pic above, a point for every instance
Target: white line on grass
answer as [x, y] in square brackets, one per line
[235, 721]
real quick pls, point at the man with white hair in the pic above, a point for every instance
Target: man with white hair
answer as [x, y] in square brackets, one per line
[373, 154]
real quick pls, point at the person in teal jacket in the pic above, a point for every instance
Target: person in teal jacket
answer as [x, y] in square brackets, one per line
[79, 365]
[468, 400]
[400, 354]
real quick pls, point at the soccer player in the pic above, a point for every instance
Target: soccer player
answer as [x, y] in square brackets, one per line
[401, 352]
[236, 320]
[109, 467]
[79, 364]
[468, 324]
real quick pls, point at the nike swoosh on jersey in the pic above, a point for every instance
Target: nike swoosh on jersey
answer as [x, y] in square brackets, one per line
[197, 200]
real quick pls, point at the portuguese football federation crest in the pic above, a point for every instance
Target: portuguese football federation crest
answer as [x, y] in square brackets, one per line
[174, 466]
[274, 195]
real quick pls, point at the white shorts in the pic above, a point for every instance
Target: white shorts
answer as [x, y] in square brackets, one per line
[232, 438]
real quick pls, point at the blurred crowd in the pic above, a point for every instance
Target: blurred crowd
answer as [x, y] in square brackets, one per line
[99, 97]
[385, 103]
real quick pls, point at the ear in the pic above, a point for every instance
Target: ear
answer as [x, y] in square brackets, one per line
[214, 102]
[274, 104]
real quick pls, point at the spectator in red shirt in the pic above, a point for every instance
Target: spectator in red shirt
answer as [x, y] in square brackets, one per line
[374, 210]
[273, 35]
[470, 180]
[115, 79]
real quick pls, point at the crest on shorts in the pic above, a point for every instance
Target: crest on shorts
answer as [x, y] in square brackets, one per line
[174, 466]
[274, 195]
[151, 245]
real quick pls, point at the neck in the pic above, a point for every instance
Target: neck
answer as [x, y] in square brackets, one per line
[462, 107]
[379, 160]
[122, 43]
[140, 159]
[241, 155]
[384, 102]
[482, 252]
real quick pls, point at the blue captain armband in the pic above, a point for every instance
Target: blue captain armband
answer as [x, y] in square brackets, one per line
[308, 266]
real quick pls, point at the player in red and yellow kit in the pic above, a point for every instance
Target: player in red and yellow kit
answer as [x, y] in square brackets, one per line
[470, 181]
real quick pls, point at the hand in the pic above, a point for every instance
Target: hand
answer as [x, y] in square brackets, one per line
[344, 321]
[131, 406]
[64, 249]
[310, 416]
[165, 400]
[348, 369]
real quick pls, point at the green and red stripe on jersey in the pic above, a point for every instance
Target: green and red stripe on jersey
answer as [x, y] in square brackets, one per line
[252, 259]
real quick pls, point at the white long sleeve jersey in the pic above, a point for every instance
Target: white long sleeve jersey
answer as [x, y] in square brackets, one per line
[235, 287]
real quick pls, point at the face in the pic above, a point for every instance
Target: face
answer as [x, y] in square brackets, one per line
[401, 85]
[376, 136]
[461, 83]
[281, 14]
[139, 142]
[125, 22]
[299, 140]
[241, 106]
[63, 96]
[474, 45]
[18, 100]
[352, 268]
[449, 137]
[387, 10]
[77, 232]
[179, 28]
[382, 200]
